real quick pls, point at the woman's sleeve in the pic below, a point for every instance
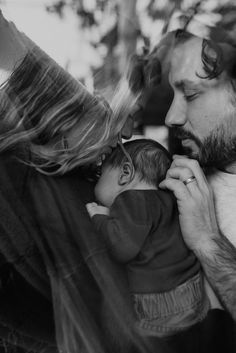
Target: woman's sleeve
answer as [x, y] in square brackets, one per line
[13, 48]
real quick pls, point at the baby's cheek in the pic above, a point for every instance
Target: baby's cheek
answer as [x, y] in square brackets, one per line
[98, 191]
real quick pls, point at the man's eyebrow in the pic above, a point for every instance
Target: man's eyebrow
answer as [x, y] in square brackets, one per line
[183, 83]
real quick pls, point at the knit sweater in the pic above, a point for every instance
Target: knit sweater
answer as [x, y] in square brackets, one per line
[143, 232]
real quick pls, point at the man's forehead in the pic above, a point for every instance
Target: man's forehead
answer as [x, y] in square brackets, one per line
[186, 61]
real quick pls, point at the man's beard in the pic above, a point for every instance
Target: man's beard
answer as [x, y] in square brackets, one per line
[217, 150]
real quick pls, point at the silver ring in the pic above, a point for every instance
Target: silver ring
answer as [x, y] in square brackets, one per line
[189, 180]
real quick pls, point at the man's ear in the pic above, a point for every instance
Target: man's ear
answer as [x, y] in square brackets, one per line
[126, 173]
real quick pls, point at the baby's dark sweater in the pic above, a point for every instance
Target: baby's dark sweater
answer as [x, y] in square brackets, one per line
[143, 232]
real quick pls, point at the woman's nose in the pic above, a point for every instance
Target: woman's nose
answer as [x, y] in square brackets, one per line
[176, 115]
[127, 130]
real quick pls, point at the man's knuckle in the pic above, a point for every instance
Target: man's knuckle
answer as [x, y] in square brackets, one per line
[194, 163]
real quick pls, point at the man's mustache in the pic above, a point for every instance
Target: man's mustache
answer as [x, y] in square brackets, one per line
[182, 134]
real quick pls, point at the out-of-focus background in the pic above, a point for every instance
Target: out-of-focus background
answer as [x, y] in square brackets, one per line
[93, 39]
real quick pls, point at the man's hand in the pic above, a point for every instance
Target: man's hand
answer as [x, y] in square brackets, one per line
[195, 201]
[200, 229]
[93, 208]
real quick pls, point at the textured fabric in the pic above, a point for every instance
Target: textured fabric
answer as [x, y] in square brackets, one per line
[67, 269]
[143, 232]
[13, 49]
[168, 313]
[216, 333]
[26, 313]
[224, 189]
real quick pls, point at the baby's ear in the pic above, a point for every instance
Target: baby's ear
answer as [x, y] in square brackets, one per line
[126, 174]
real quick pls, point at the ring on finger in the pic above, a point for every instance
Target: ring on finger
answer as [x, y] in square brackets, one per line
[189, 180]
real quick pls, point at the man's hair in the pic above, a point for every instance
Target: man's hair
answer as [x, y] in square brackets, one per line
[211, 55]
[216, 57]
[149, 158]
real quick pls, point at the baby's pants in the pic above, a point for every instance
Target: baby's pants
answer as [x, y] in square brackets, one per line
[165, 314]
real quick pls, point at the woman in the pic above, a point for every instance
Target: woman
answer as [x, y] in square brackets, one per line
[59, 289]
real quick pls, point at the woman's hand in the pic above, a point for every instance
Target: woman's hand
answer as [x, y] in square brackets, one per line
[93, 208]
[195, 201]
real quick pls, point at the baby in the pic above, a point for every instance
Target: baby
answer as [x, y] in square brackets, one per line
[140, 225]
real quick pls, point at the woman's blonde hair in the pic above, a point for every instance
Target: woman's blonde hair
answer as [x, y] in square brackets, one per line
[41, 103]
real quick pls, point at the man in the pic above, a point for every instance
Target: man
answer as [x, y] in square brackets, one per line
[203, 113]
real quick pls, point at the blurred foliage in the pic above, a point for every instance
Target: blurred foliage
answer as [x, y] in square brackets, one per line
[93, 14]
[86, 13]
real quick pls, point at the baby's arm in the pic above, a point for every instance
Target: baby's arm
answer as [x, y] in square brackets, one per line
[126, 227]
[93, 208]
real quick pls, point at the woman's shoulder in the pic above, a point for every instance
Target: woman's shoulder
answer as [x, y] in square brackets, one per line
[71, 188]
[14, 170]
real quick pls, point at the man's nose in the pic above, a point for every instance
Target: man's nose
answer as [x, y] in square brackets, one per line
[127, 130]
[176, 115]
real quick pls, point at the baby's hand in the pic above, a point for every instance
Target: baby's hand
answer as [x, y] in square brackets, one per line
[93, 208]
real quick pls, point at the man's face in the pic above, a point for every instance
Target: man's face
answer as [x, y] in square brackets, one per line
[202, 110]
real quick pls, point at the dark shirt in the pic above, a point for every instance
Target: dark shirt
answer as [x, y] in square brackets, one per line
[53, 264]
[143, 232]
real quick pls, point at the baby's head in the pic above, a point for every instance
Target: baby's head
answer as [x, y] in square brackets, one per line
[137, 164]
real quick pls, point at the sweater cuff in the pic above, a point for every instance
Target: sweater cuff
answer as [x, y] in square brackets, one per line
[98, 220]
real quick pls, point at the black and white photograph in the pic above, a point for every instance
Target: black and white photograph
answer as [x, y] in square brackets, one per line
[117, 176]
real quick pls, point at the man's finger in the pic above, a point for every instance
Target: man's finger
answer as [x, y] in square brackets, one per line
[185, 176]
[177, 187]
[194, 166]
[181, 173]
